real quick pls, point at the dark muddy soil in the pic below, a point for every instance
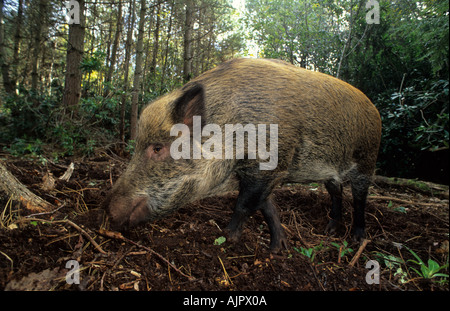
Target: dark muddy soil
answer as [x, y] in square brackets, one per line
[35, 251]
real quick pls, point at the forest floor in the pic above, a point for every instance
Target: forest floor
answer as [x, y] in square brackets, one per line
[187, 250]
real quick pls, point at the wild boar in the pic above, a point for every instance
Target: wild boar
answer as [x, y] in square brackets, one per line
[327, 131]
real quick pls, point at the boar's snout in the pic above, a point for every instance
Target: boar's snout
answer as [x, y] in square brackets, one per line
[125, 212]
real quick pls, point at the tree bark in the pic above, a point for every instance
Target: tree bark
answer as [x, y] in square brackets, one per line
[156, 42]
[349, 38]
[188, 25]
[131, 19]
[39, 20]
[137, 73]
[166, 53]
[113, 57]
[4, 66]
[75, 49]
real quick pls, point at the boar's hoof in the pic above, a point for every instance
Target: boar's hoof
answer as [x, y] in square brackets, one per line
[359, 234]
[332, 227]
[233, 235]
[277, 244]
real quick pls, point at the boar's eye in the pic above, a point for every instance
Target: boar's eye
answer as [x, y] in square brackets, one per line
[157, 148]
[157, 152]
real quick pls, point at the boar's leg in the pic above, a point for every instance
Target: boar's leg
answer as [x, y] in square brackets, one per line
[277, 236]
[359, 192]
[253, 196]
[360, 187]
[334, 188]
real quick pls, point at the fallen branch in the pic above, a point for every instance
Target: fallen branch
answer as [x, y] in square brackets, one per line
[119, 236]
[425, 187]
[359, 252]
[15, 189]
[379, 197]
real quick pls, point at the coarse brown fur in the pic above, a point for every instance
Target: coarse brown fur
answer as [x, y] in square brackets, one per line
[327, 131]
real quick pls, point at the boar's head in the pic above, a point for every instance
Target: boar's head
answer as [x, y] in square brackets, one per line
[155, 184]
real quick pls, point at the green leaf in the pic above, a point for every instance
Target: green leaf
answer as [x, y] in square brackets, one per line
[220, 240]
[400, 209]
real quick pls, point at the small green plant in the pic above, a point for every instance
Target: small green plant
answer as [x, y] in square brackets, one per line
[399, 209]
[390, 261]
[309, 252]
[220, 240]
[393, 263]
[343, 249]
[429, 270]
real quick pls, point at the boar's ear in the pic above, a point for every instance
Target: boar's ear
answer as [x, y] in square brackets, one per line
[190, 104]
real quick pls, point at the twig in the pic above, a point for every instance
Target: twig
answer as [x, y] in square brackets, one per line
[359, 252]
[378, 221]
[45, 213]
[76, 227]
[118, 235]
[86, 235]
[400, 101]
[9, 258]
[116, 262]
[317, 279]
[225, 273]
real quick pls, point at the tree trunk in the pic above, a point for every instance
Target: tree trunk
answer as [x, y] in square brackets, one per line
[156, 42]
[37, 26]
[131, 19]
[137, 73]
[166, 53]
[75, 49]
[349, 38]
[188, 25]
[15, 190]
[112, 62]
[4, 66]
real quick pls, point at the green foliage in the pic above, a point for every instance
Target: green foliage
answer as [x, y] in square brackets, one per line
[415, 119]
[429, 270]
[22, 146]
[309, 252]
[30, 122]
[393, 263]
[402, 65]
[26, 115]
[343, 249]
[94, 62]
[300, 32]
